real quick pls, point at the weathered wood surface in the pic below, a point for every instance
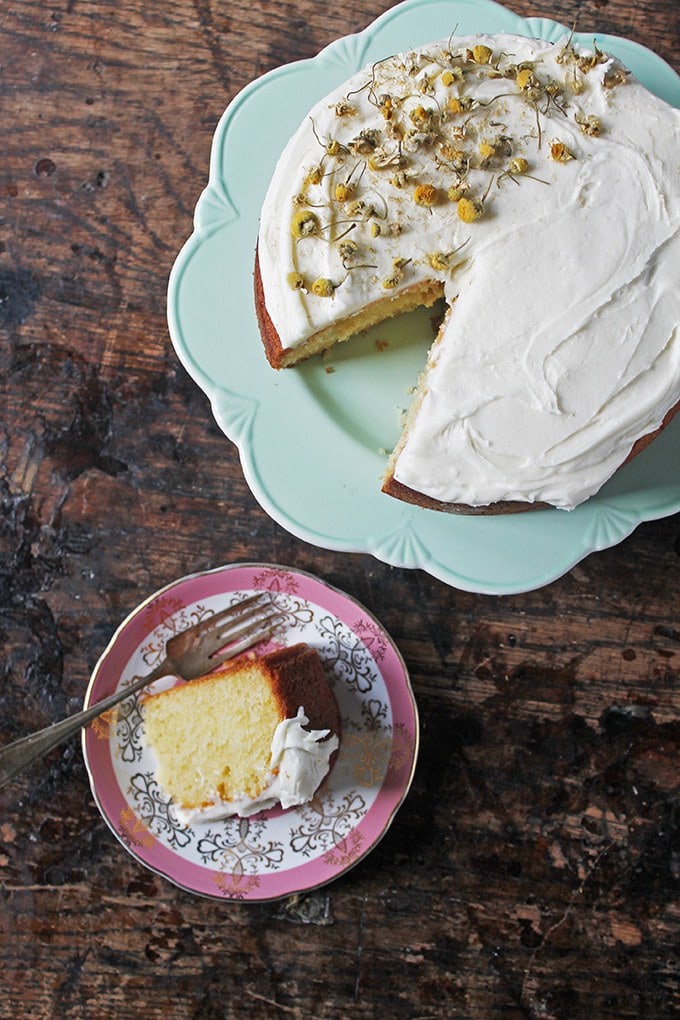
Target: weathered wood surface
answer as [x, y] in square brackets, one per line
[534, 870]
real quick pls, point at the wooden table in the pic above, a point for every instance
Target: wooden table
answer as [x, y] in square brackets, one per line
[534, 870]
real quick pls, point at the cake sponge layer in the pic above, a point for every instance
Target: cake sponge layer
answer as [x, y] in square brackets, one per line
[212, 737]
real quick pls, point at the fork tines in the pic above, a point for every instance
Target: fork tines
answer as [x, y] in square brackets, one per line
[244, 618]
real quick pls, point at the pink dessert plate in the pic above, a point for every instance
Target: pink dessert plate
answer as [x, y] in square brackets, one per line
[275, 853]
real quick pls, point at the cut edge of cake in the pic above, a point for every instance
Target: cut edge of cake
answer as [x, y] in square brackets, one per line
[292, 759]
[419, 295]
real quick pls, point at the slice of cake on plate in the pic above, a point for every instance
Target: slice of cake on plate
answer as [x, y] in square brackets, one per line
[257, 732]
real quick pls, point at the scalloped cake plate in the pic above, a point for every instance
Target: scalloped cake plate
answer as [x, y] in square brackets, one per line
[274, 853]
[312, 443]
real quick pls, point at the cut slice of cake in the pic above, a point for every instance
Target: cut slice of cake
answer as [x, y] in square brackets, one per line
[535, 186]
[256, 732]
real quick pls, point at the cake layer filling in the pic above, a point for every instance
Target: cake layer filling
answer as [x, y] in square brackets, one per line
[539, 184]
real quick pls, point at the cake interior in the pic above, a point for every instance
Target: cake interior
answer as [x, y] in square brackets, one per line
[419, 295]
[213, 735]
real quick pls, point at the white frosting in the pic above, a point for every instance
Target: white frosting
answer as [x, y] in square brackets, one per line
[562, 347]
[299, 761]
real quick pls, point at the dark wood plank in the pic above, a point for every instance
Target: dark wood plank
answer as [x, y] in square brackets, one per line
[534, 870]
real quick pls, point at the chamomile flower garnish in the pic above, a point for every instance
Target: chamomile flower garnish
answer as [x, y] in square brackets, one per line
[426, 195]
[305, 223]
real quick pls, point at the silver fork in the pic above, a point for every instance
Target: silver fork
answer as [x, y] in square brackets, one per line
[190, 654]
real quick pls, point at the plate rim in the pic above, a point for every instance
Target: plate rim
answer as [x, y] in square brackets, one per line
[404, 784]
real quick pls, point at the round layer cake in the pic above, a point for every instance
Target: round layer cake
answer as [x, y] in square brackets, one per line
[536, 188]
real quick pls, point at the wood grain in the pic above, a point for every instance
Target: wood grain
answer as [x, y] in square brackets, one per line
[534, 870]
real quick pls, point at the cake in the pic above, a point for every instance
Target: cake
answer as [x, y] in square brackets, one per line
[257, 732]
[534, 186]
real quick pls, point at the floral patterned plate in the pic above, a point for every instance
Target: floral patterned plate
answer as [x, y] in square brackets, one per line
[275, 853]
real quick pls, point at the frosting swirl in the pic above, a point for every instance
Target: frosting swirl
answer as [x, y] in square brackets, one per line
[299, 761]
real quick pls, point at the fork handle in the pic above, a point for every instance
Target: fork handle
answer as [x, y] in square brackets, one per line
[15, 757]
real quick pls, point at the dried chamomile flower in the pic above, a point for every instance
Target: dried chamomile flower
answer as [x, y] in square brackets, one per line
[560, 152]
[456, 159]
[398, 266]
[348, 249]
[503, 145]
[457, 191]
[590, 60]
[376, 208]
[426, 195]
[516, 168]
[422, 116]
[315, 175]
[439, 261]
[411, 64]
[443, 260]
[614, 76]
[459, 133]
[358, 209]
[525, 79]
[386, 105]
[447, 78]
[323, 287]
[425, 85]
[454, 69]
[567, 55]
[300, 199]
[344, 191]
[344, 108]
[481, 54]
[394, 229]
[448, 151]
[518, 165]
[296, 281]
[400, 179]
[589, 125]
[576, 84]
[470, 209]
[375, 229]
[486, 149]
[459, 104]
[383, 157]
[414, 141]
[305, 223]
[331, 146]
[365, 142]
[334, 148]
